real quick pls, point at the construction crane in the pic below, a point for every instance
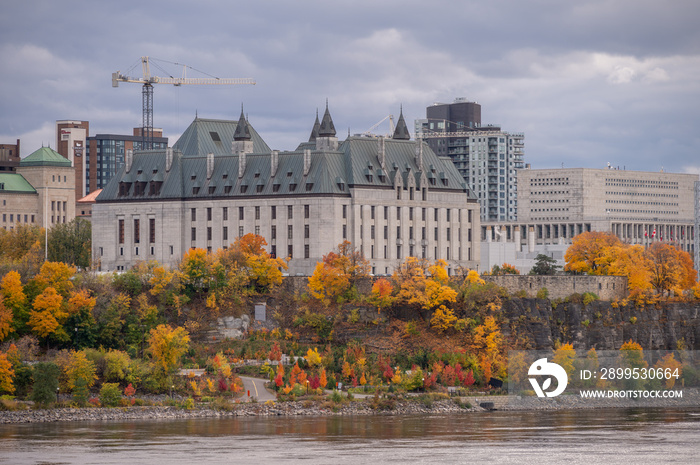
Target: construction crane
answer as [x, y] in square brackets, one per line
[147, 92]
[369, 133]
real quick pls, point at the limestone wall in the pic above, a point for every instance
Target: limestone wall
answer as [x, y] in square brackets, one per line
[606, 287]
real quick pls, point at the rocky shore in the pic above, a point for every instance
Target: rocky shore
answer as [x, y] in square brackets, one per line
[691, 399]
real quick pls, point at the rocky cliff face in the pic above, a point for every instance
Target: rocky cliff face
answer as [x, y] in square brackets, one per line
[537, 324]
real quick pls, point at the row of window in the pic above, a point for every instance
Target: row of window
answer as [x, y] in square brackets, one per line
[19, 218]
[137, 231]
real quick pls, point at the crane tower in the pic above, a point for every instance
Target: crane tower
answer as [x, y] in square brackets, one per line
[147, 92]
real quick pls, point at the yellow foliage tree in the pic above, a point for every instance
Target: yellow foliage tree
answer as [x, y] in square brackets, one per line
[669, 362]
[48, 315]
[167, 345]
[81, 301]
[473, 278]
[334, 276]
[565, 356]
[443, 319]
[56, 275]
[79, 367]
[5, 320]
[7, 374]
[12, 291]
[488, 342]
[313, 358]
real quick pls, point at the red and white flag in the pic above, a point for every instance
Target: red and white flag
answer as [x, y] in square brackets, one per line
[653, 233]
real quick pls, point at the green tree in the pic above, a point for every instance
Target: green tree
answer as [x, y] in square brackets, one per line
[71, 243]
[544, 265]
[45, 376]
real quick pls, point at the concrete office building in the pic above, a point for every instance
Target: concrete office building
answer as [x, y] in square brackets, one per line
[390, 197]
[557, 204]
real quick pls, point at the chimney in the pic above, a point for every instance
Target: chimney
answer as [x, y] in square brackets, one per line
[128, 159]
[274, 162]
[381, 153]
[210, 165]
[307, 161]
[241, 164]
[419, 154]
[168, 159]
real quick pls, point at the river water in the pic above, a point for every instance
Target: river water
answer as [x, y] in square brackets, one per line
[583, 436]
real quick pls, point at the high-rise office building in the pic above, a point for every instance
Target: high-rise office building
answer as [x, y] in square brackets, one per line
[486, 157]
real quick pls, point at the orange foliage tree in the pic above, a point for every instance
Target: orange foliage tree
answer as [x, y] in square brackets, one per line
[586, 251]
[167, 345]
[7, 374]
[48, 315]
[334, 277]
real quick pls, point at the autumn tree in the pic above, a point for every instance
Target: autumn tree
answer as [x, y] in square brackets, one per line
[504, 269]
[488, 343]
[381, 296]
[586, 251]
[335, 277]
[80, 318]
[48, 315]
[262, 269]
[15, 243]
[5, 320]
[630, 261]
[424, 286]
[78, 367]
[167, 345]
[14, 300]
[7, 374]
[57, 275]
[669, 269]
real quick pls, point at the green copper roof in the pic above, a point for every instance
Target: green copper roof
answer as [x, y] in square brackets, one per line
[45, 156]
[15, 183]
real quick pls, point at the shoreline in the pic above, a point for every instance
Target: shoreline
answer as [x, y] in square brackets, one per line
[358, 407]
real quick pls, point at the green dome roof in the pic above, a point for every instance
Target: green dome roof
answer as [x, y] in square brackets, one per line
[45, 156]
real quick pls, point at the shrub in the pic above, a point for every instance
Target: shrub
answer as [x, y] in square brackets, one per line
[110, 394]
[543, 293]
[589, 297]
[633, 320]
[586, 322]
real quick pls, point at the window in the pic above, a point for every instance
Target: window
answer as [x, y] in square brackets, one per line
[410, 233]
[290, 249]
[345, 231]
[240, 231]
[436, 214]
[273, 251]
[273, 212]
[225, 213]
[306, 232]
[257, 213]
[193, 234]
[423, 234]
[410, 214]
[371, 232]
[372, 211]
[345, 211]
[448, 214]
[448, 233]
[273, 232]
[290, 212]
[193, 213]
[290, 232]
[398, 232]
[225, 233]
[152, 230]
[241, 216]
[398, 213]
[306, 251]
[121, 231]
[386, 213]
[257, 230]
[209, 233]
[386, 232]
[436, 233]
[306, 211]
[208, 213]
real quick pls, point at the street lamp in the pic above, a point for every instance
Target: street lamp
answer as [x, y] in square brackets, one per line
[57, 389]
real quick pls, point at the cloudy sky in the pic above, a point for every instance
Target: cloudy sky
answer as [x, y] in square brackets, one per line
[588, 82]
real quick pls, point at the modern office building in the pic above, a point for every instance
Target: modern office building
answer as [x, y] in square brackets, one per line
[390, 197]
[96, 159]
[41, 191]
[557, 204]
[487, 157]
[106, 154]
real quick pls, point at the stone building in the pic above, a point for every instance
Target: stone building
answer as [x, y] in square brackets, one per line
[391, 198]
[41, 191]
